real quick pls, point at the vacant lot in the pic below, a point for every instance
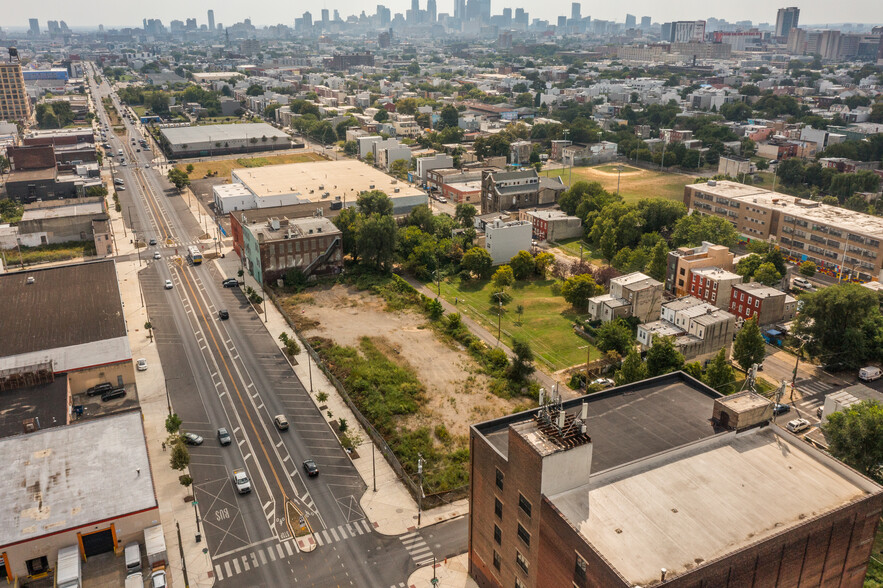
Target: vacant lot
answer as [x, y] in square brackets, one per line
[49, 253]
[634, 183]
[546, 322]
[452, 392]
[223, 167]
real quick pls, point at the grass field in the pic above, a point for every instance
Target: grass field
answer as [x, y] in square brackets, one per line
[634, 184]
[571, 247]
[49, 253]
[225, 166]
[546, 323]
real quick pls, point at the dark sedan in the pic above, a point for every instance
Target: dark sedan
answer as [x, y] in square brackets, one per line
[311, 468]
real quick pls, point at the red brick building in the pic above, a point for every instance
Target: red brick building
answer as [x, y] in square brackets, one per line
[713, 285]
[764, 303]
[609, 489]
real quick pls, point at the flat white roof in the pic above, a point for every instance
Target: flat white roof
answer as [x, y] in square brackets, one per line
[231, 190]
[66, 477]
[689, 506]
[218, 133]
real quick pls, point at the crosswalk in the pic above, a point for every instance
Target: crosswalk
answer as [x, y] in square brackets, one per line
[263, 555]
[417, 547]
[341, 532]
[814, 386]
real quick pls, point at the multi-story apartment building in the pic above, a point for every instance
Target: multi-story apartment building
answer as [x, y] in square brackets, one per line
[763, 303]
[518, 189]
[633, 294]
[840, 241]
[552, 224]
[683, 260]
[713, 284]
[699, 329]
[14, 102]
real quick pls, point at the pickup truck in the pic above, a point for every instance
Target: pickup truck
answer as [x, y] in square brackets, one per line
[240, 480]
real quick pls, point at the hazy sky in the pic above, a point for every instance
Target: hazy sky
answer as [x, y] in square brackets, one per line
[15, 14]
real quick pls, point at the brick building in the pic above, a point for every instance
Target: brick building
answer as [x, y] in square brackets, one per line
[764, 303]
[700, 329]
[518, 189]
[272, 248]
[552, 224]
[683, 260]
[713, 284]
[14, 102]
[670, 470]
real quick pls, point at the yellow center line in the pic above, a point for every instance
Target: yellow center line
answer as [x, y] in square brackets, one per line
[198, 304]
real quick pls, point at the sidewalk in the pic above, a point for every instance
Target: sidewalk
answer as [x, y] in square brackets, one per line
[450, 573]
[391, 508]
[170, 494]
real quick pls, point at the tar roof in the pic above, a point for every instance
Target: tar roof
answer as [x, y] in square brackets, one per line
[64, 306]
[47, 403]
[634, 421]
[691, 506]
[59, 478]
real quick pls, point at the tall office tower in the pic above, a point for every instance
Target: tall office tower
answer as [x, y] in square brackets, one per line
[35, 26]
[325, 16]
[630, 21]
[431, 11]
[211, 20]
[52, 27]
[460, 9]
[507, 16]
[575, 11]
[308, 20]
[383, 15]
[485, 10]
[787, 20]
[14, 102]
[415, 6]
[336, 15]
[645, 23]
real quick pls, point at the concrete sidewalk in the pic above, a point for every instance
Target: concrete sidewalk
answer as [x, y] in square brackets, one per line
[390, 508]
[450, 573]
[174, 511]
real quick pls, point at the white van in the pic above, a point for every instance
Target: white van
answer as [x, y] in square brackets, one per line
[869, 373]
[133, 557]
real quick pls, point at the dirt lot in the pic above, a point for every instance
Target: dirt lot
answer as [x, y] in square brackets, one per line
[456, 393]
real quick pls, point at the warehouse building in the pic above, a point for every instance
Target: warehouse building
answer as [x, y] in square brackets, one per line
[662, 482]
[209, 140]
[314, 183]
[56, 493]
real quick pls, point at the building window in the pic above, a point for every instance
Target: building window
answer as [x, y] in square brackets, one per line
[683, 272]
[521, 561]
[757, 303]
[524, 504]
[497, 562]
[498, 535]
[579, 570]
[523, 535]
[498, 508]
[519, 584]
[499, 479]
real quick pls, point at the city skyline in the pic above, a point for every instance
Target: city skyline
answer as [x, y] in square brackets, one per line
[812, 13]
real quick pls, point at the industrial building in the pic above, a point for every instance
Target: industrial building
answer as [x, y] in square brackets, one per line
[662, 482]
[340, 182]
[88, 484]
[209, 140]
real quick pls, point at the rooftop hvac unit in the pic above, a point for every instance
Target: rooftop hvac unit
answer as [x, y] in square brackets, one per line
[371, 187]
[396, 190]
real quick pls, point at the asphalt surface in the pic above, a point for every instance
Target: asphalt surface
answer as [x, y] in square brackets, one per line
[232, 374]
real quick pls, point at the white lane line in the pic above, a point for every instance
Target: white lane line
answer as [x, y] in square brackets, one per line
[288, 548]
[327, 536]
[218, 573]
[236, 565]
[279, 549]
[336, 538]
[318, 537]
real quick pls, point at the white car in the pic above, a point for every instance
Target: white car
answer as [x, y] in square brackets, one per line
[169, 285]
[156, 255]
[797, 425]
[603, 382]
[802, 283]
[141, 364]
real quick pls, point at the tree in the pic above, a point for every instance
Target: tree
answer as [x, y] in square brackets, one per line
[522, 364]
[692, 230]
[448, 117]
[178, 178]
[374, 202]
[189, 168]
[523, 265]
[578, 289]
[656, 268]
[748, 265]
[543, 262]
[808, 269]
[173, 424]
[180, 457]
[719, 374]
[478, 262]
[843, 323]
[663, 357]
[382, 115]
[767, 275]
[465, 214]
[399, 168]
[855, 435]
[614, 336]
[631, 370]
[254, 90]
[749, 347]
[503, 277]
[376, 240]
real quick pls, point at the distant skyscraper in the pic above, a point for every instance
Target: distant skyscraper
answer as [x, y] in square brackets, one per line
[35, 26]
[211, 20]
[507, 16]
[325, 15]
[630, 21]
[460, 9]
[431, 11]
[575, 11]
[562, 22]
[645, 23]
[383, 15]
[787, 20]
[308, 20]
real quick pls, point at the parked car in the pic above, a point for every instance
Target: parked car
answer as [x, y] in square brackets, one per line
[603, 382]
[870, 373]
[224, 437]
[169, 285]
[780, 409]
[230, 283]
[111, 394]
[158, 579]
[99, 389]
[801, 283]
[192, 439]
[281, 422]
[311, 468]
[223, 314]
[797, 425]
[141, 364]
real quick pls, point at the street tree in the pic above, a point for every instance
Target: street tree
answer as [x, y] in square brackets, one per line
[855, 436]
[719, 374]
[578, 289]
[465, 214]
[374, 201]
[663, 357]
[632, 369]
[180, 457]
[808, 269]
[523, 265]
[477, 262]
[522, 364]
[749, 347]
[178, 178]
[767, 274]
[614, 336]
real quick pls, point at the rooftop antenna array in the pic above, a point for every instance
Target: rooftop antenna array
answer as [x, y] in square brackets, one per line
[562, 428]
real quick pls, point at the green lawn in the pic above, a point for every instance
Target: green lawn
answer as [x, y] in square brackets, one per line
[634, 184]
[545, 324]
[139, 110]
[572, 247]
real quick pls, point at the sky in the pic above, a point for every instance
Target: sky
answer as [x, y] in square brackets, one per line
[124, 13]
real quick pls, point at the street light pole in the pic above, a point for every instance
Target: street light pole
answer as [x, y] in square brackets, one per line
[420, 495]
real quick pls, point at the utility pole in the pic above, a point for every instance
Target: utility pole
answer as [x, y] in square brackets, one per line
[420, 463]
[373, 465]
